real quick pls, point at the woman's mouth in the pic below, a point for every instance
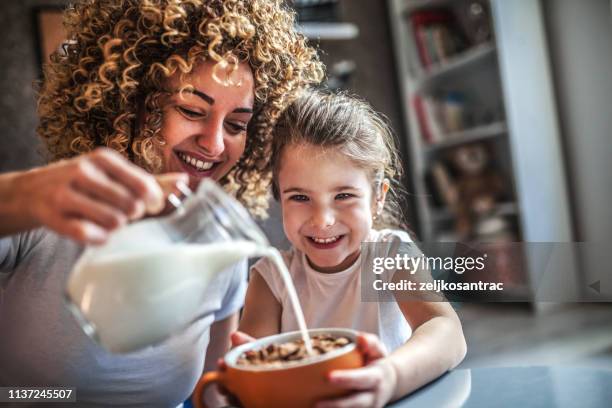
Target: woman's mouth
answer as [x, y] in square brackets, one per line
[325, 242]
[196, 166]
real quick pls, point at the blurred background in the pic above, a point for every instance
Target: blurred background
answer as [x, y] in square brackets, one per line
[503, 117]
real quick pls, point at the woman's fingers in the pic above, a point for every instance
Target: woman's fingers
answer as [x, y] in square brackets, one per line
[79, 230]
[93, 182]
[88, 196]
[138, 181]
[356, 400]
[81, 206]
[169, 182]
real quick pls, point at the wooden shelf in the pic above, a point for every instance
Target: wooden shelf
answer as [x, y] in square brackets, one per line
[475, 134]
[501, 209]
[414, 5]
[329, 31]
[455, 64]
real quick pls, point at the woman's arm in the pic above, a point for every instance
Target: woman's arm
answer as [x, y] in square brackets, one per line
[83, 198]
[14, 216]
[262, 312]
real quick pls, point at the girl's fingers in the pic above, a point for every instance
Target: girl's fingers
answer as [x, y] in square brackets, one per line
[221, 364]
[357, 400]
[239, 338]
[365, 378]
[371, 347]
[138, 181]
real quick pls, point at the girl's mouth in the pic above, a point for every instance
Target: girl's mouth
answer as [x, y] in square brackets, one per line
[196, 166]
[326, 243]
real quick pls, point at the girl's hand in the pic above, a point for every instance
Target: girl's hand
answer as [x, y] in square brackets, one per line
[239, 338]
[373, 384]
[88, 196]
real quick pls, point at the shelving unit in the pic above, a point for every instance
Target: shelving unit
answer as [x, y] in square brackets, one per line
[510, 87]
[456, 65]
[474, 72]
[475, 134]
[415, 5]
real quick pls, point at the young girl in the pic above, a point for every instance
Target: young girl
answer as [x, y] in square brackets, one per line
[333, 161]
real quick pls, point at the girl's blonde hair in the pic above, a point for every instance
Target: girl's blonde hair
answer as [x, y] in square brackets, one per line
[106, 88]
[351, 126]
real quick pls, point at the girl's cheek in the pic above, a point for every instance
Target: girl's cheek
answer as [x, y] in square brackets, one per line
[290, 219]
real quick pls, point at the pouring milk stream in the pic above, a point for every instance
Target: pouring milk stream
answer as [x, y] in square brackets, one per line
[147, 281]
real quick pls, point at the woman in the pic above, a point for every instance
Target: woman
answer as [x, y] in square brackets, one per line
[142, 87]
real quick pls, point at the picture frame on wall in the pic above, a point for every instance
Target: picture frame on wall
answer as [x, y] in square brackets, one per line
[50, 32]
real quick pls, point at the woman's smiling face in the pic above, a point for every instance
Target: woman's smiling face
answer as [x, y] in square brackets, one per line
[204, 127]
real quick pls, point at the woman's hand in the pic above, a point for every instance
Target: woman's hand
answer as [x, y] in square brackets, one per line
[84, 198]
[373, 384]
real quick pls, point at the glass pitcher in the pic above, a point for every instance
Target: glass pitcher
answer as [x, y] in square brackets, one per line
[147, 281]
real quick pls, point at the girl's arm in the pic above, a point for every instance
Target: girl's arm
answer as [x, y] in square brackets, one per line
[436, 346]
[262, 312]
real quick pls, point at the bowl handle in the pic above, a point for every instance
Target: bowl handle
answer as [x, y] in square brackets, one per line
[197, 398]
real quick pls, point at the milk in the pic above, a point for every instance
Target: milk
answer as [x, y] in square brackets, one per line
[277, 260]
[133, 299]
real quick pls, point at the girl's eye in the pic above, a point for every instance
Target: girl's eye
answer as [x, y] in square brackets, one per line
[235, 128]
[344, 196]
[298, 197]
[189, 114]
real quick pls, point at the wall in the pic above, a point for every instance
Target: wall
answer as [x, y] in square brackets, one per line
[579, 37]
[18, 69]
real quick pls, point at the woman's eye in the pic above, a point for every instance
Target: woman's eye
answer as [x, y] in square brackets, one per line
[298, 197]
[190, 114]
[344, 196]
[236, 128]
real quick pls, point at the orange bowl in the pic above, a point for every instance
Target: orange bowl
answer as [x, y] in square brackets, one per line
[298, 384]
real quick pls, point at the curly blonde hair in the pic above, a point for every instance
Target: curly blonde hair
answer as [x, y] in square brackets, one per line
[119, 53]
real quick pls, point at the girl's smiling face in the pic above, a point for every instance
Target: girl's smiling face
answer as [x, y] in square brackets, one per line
[205, 128]
[327, 205]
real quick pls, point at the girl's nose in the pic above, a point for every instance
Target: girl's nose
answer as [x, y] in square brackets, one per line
[323, 218]
[211, 139]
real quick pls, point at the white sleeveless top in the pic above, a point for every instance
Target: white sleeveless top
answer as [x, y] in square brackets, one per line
[334, 299]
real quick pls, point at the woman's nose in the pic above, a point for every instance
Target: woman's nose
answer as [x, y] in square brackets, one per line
[211, 139]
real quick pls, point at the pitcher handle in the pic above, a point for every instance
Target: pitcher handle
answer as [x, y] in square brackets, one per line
[198, 393]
